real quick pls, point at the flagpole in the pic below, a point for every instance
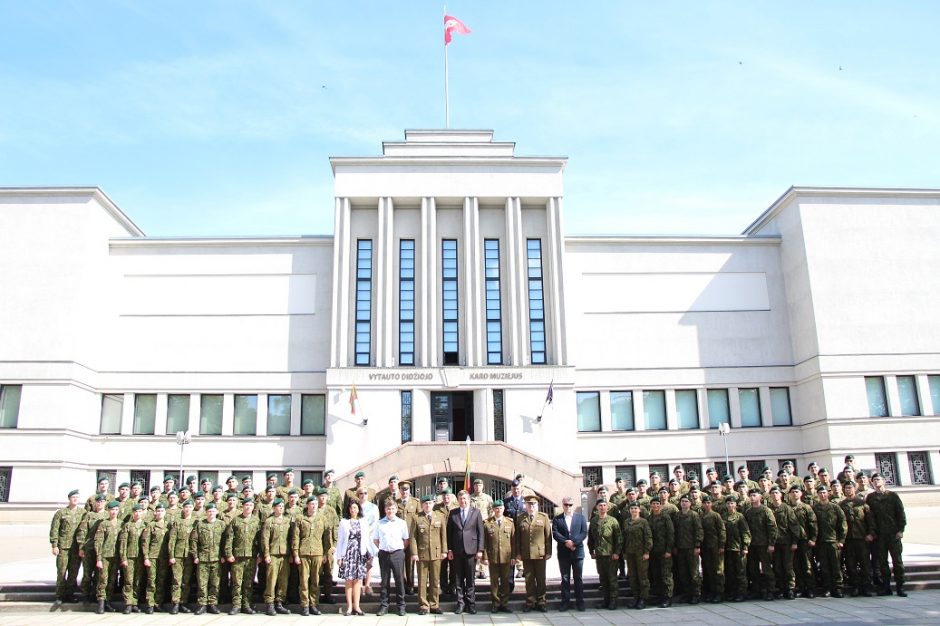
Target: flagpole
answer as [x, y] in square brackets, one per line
[446, 94]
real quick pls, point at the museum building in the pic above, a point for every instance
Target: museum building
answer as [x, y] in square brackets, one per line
[449, 306]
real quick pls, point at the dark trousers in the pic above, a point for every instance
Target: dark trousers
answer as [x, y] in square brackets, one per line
[568, 564]
[465, 570]
[390, 565]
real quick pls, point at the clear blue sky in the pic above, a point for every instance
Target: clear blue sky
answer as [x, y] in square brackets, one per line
[218, 117]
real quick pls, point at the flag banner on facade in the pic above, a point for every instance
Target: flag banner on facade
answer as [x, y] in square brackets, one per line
[551, 393]
[466, 476]
[453, 25]
[353, 396]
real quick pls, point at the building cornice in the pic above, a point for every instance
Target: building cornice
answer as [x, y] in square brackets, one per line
[91, 192]
[675, 240]
[220, 242]
[451, 161]
[834, 192]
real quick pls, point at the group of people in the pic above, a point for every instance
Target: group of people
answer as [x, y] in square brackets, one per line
[729, 539]
[210, 544]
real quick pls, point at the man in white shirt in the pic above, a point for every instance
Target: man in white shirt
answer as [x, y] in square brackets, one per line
[391, 538]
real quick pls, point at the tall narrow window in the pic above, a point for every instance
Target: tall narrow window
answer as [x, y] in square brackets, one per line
[687, 409]
[621, 410]
[780, 406]
[145, 413]
[450, 305]
[750, 408]
[246, 415]
[536, 301]
[654, 409]
[112, 406]
[499, 416]
[877, 399]
[364, 302]
[907, 394]
[934, 383]
[313, 414]
[279, 414]
[494, 324]
[718, 411]
[10, 405]
[406, 416]
[406, 302]
[177, 413]
[210, 414]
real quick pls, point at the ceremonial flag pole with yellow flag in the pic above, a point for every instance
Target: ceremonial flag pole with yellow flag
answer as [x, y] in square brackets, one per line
[466, 476]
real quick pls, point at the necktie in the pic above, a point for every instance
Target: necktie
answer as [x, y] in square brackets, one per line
[531, 518]
[463, 515]
[429, 518]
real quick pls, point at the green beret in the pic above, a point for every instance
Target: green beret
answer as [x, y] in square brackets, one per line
[101, 497]
[154, 489]
[159, 506]
[654, 473]
[143, 499]
[189, 503]
[360, 475]
[308, 481]
[321, 491]
[795, 488]
[849, 483]
[642, 481]
[171, 492]
[656, 501]
[288, 470]
[823, 470]
[633, 505]
[430, 498]
[114, 504]
[168, 477]
[311, 499]
[294, 491]
[125, 486]
[446, 490]
[190, 478]
[685, 497]
[231, 496]
[210, 506]
[754, 491]
[73, 492]
[478, 481]
[393, 477]
[272, 475]
[103, 479]
[270, 488]
[706, 498]
[277, 501]
[731, 498]
[495, 502]
[217, 488]
[246, 488]
[630, 490]
[246, 477]
[138, 507]
[329, 471]
[727, 478]
[136, 483]
[248, 501]
[199, 494]
[774, 489]
[602, 501]
[822, 488]
[231, 478]
[520, 476]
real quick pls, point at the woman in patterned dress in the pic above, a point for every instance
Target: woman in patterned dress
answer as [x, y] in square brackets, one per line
[353, 546]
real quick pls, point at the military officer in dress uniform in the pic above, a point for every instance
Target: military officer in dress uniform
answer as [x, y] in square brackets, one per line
[534, 548]
[241, 551]
[481, 501]
[428, 549]
[498, 546]
[65, 547]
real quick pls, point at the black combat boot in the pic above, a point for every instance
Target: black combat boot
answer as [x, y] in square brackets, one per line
[269, 610]
[280, 608]
[314, 610]
[175, 608]
[233, 610]
[247, 610]
[100, 609]
[213, 609]
[201, 609]
[305, 610]
[900, 590]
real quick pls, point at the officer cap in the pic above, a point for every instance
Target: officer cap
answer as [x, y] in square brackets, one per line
[428, 498]
[272, 475]
[599, 501]
[630, 490]
[515, 483]
[392, 477]
[796, 488]
[190, 478]
[875, 475]
[210, 506]
[103, 479]
[312, 499]
[753, 491]
[277, 501]
[217, 488]
[531, 500]
[308, 481]
[685, 497]
[73, 492]
[404, 484]
[100, 497]
[231, 496]
[294, 491]
[248, 501]
[159, 506]
[270, 488]
[114, 504]
[706, 498]
[642, 481]
[189, 503]
[360, 475]
[231, 478]
[446, 490]
[288, 470]
[478, 481]
[199, 494]
[138, 507]
[822, 488]
[497, 503]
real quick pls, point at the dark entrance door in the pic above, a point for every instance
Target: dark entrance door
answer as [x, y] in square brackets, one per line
[452, 416]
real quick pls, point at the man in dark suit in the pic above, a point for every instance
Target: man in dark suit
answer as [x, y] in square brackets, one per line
[464, 548]
[569, 529]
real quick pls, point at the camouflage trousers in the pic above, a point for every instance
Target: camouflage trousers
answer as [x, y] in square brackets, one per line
[67, 563]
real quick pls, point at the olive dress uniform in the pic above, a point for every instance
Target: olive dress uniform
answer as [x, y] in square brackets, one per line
[182, 566]
[428, 532]
[499, 538]
[605, 541]
[155, 542]
[129, 551]
[860, 524]
[274, 545]
[889, 520]
[832, 528]
[637, 543]
[689, 535]
[713, 562]
[62, 535]
[86, 541]
[241, 543]
[205, 544]
[106, 549]
[664, 542]
[310, 534]
[763, 527]
[534, 546]
[737, 542]
[788, 538]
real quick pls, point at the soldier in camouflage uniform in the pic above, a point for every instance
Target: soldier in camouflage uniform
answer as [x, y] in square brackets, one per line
[637, 543]
[713, 549]
[106, 551]
[890, 522]
[102, 489]
[155, 542]
[803, 557]
[86, 541]
[180, 558]
[763, 527]
[205, 544]
[129, 551]
[832, 527]
[737, 542]
[274, 550]
[664, 542]
[241, 551]
[860, 523]
[331, 521]
[605, 544]
[689, 537]
[788, 539]
[63, 535]
[310, 535]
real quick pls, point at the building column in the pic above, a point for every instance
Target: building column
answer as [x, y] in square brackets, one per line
[470, 275]
[261, 416]
[296, 406]
[516, 265]
[127, 415]
[903, 469]
[383, 271]
[672, 419]
[734, 407]
[923, 396]
[891, 394]
[429, 318]
[159, 427]
[555, 249]
[339, 356]
[766, 408]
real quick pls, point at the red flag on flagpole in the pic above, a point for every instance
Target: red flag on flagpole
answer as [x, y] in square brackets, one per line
[453, 25]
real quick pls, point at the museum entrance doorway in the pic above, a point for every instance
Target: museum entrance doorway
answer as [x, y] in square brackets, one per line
[451, 415]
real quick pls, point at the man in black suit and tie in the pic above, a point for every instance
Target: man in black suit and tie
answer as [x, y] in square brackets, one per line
[569, 530]
[464, 548]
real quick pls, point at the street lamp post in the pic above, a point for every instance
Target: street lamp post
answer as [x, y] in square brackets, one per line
[724, 429]
[182, 438]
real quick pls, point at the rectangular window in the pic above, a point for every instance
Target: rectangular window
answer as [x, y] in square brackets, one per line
[621, 410]
[499, 416]
[920, 468]
[654, 409]
[145, 413]
[141, 476]
[494, 323]
[718, 409]
[406, 416]
[934, 383]
[246, 414]
[10, 405]
[780, 406]
[112, 406]
[589, 411]
[907, 394]
[6, 475]
[750, 408]
[363, 302]
[313, 414]
[877, 399]
[687, 409]
[406, 302]
[536, 301]
[210, 414]
[315, 476]
[592, 475]
[279, 414]
[627, 473]
[450, 305]
[177, 413]
[887, 464]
